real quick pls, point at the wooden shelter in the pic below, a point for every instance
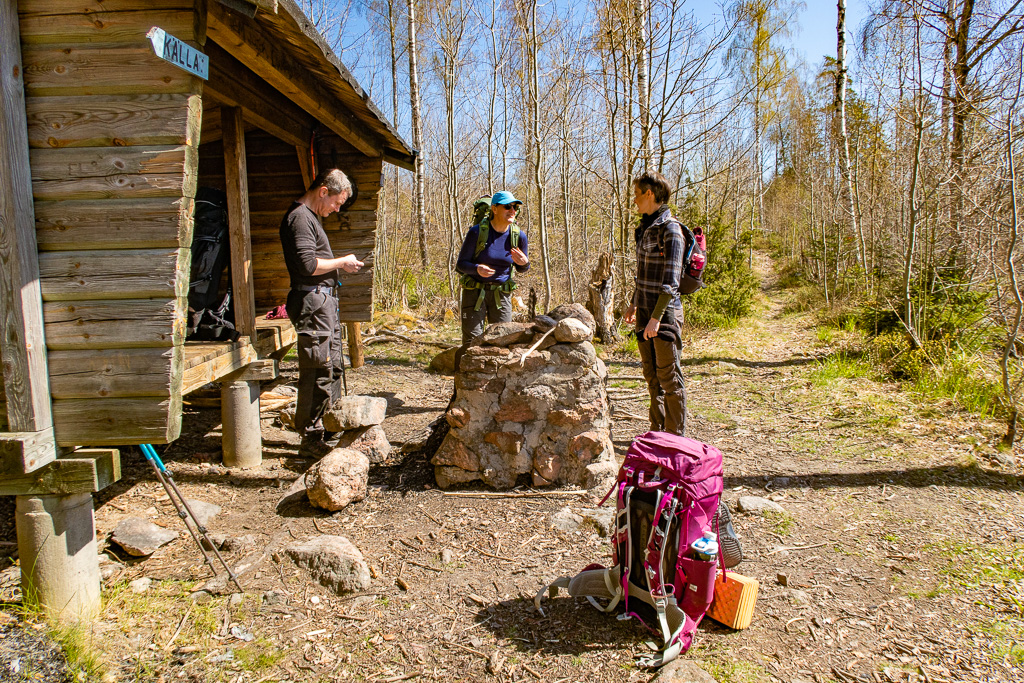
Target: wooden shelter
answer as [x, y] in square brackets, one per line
[104, 137]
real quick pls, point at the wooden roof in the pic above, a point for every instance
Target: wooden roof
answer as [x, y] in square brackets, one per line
[287, 51]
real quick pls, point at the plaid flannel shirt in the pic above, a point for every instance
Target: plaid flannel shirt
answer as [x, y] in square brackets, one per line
[659, 261]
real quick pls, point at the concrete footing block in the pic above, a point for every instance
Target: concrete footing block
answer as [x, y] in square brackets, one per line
[240, 415]
[57, 546]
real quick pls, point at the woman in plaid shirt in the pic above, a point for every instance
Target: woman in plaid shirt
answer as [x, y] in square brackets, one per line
[656, 307]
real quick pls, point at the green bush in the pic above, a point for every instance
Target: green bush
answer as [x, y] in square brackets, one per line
[729, 287]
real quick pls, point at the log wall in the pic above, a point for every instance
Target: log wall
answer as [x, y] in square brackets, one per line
[113, 137]
[275, 181]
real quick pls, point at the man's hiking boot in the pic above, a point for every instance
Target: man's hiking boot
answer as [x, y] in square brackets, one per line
[314, 446]
[729, 543]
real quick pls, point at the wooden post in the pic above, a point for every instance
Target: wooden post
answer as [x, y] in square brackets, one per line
[305, 166]
[240, 400]
[22, 344]
[355, 345]
[236, 180]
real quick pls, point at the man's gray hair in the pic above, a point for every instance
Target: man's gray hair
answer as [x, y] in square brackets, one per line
[334, 180]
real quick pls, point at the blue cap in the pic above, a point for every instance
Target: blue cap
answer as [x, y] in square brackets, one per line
[503, 197]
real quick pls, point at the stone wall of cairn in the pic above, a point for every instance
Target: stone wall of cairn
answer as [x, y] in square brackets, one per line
[530, 399]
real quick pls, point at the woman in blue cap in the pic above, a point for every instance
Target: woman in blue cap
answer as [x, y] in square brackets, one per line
[490, 251]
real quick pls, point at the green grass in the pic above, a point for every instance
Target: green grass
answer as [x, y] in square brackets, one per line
[735, 671]
[629, 346]
[1007, 639]
[258, 655]
[961, 379]
[840, 366]
[780, 522]
[82, 654]
[969, 566]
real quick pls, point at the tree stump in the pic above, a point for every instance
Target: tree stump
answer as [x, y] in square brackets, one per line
[602, 298]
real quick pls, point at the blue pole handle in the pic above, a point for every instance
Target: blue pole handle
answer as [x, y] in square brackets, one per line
[150, 453]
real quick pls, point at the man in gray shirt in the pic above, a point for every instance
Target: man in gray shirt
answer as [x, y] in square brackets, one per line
[313, 305]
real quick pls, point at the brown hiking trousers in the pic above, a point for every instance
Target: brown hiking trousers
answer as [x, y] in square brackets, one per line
[659, 358]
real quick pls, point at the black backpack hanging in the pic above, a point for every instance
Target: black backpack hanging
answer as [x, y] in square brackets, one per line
[210, 257]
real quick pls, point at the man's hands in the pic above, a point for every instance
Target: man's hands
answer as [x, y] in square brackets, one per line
[650, 331]
[518, 257]
[484, 271]
[350, 264]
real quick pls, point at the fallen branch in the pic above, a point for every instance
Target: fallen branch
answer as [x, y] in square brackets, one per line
[497, 557]
[631, 416]
[410, 340]
[522, 359]
[181, 625]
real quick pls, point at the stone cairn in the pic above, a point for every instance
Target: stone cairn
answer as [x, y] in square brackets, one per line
[530, 399]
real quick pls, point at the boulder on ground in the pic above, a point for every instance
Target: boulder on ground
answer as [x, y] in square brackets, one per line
[140, 537]
[371, 442]
[352, 412]
[757, 505]
[338, 479]
[444, 362]
[683, 671]
[333, 561]
[202, 510]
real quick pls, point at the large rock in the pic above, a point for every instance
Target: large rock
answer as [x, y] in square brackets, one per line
[444, 362]
[683, 671]
[373, 443]
[578, 311]
[333, 562]
[140, 537]
[757, 505]
[338, 479]
[505, 334]
[353, 412]
[573, 330]
[203, 511]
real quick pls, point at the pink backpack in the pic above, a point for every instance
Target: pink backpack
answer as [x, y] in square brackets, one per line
[667, 494]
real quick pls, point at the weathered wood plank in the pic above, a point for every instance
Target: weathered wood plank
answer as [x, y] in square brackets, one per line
[124, 323]
[114, 224]
[263, 370]
[235, 85]
[113, 172]
[90, 69]
[22, 341]
[111, 27]
[262, 52]
[114, 373]
[116, 421]
[23, 452]
[274, 335]
[91, 275]
[47, 7]
[236, 182]
[87, 470]
[217, 367]
[113, 120]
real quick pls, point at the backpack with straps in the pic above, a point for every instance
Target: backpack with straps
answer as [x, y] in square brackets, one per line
[483, 228]
[667, 496]
[694, 258]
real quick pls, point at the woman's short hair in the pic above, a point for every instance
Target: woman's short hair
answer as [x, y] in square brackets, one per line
[656, 183]
[334, 180]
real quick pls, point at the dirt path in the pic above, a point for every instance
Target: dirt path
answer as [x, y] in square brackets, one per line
[897, 555]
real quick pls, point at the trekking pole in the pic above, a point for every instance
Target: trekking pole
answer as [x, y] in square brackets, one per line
[344, 379]
[167, 479]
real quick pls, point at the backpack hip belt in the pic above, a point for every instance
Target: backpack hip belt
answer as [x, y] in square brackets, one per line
[468, 282]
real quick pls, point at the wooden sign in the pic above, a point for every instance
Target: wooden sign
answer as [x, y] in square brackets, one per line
[178, 53]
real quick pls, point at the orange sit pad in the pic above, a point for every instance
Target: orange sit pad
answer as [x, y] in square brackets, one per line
[733, 604]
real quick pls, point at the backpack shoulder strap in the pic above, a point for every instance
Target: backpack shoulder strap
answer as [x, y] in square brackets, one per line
[514, 237]
[483, 229]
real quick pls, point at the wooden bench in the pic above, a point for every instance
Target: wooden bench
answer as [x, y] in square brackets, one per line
[206, 362]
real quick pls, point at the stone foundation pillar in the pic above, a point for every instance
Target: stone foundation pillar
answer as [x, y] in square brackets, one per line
[242, 442]
[57, 548]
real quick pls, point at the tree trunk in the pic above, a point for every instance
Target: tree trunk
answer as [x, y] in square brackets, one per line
[417, 138]
[845, 138]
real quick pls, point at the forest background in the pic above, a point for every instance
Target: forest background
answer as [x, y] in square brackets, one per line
[887, 191]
